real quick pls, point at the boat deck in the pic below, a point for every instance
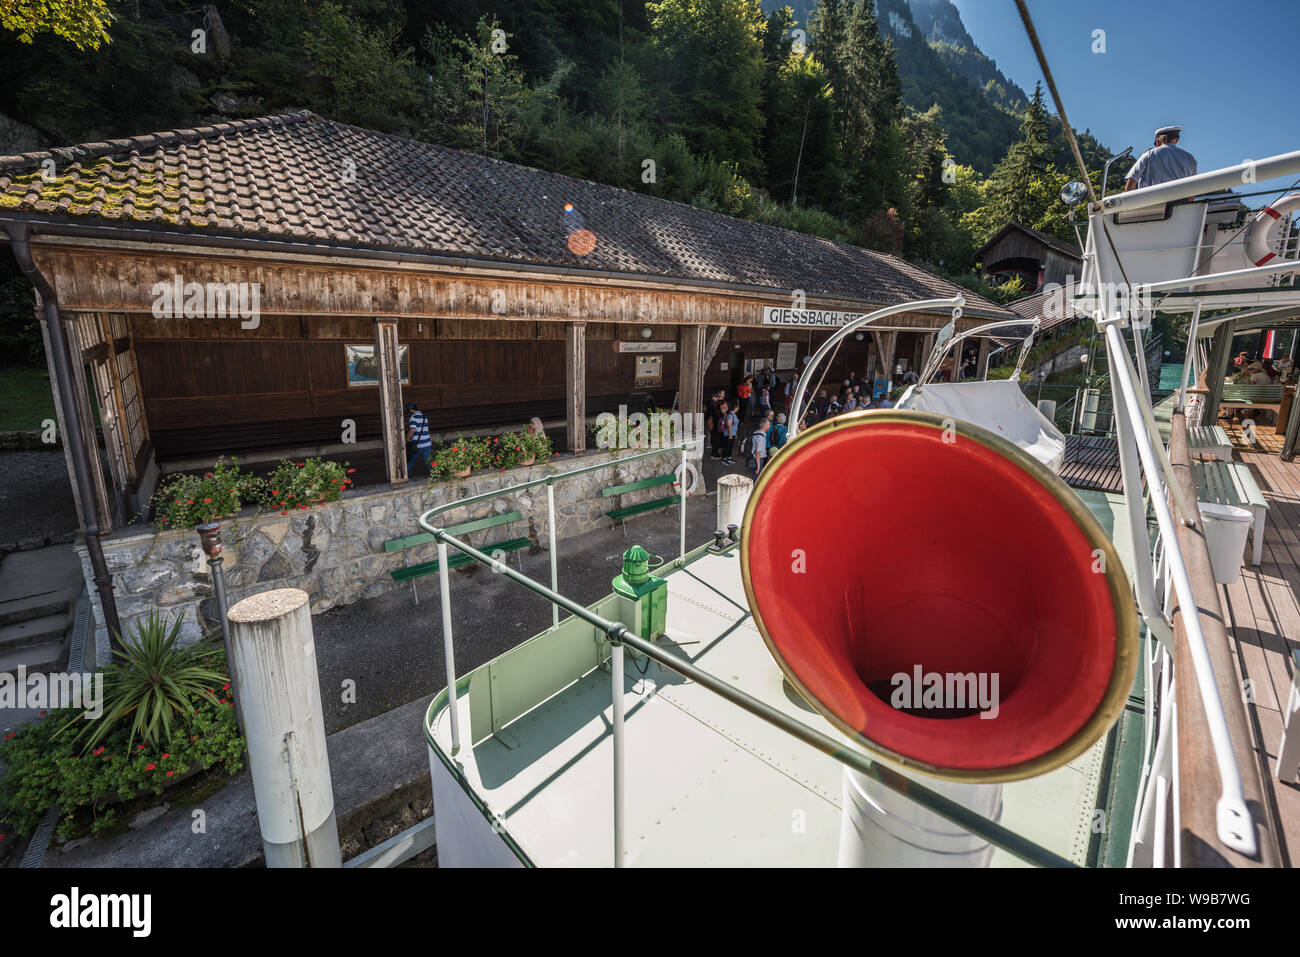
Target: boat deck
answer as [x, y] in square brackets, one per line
[1263, 609]
[707, 783]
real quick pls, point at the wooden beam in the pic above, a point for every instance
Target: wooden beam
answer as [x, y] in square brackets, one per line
[711, 347]
[391, 415]
[575, 378]
[885, 342]
[690, 378]
[982, 364]
[90, 441]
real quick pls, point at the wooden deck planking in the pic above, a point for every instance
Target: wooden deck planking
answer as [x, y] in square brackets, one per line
[1092, 462]
[1263, 609]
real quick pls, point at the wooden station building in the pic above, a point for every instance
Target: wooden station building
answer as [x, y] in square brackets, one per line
[387, 270]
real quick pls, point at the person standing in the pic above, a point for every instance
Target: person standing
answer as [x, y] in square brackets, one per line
[779, 432]
[758, 448]
[713, 422]
[745, 397]
[1162, 163]
[417, 433]
[730, 426]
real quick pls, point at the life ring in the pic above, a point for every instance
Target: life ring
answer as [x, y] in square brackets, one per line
[693, 474]
[1257, 233]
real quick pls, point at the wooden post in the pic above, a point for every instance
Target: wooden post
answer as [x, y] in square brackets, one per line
[711, 347]
[390, 399]
[885, 342]
[982, 364]
[273, 662]
[575, 379]
[90, 439]
[690, 376]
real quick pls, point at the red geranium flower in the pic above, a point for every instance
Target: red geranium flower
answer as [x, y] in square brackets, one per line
[150, 766]
[170, 773]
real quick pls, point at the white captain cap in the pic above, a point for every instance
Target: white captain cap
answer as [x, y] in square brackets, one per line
[1169, 131]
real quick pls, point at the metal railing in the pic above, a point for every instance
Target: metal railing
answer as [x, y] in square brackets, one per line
[619, 636]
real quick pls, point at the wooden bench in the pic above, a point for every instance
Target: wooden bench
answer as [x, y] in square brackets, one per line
[1230, 483]
[627, 511]
[1251, 397]
[459, 558]
[1209, 440]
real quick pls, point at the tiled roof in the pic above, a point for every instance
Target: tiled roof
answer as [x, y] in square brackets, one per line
[1034, 305]
[302, 177]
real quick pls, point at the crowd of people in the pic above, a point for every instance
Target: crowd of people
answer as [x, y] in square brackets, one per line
[1249, 370]
[753, 421]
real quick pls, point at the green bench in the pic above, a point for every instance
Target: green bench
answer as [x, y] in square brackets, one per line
[1230, 483]
[1251, 397]
[1210, 440]
[458, 558]
[618, 514]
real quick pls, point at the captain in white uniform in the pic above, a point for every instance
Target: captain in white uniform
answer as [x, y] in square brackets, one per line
[1162, 162]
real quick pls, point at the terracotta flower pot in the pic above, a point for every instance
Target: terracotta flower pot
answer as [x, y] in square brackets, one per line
[529, 461]
[463, 473]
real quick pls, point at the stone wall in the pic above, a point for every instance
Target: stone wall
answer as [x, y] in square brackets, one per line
[335, 552]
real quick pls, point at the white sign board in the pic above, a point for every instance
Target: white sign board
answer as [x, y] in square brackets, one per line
[806, 318]
[647, 347]
[786, 355]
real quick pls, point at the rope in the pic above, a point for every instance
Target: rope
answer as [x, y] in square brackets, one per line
[1056, 97]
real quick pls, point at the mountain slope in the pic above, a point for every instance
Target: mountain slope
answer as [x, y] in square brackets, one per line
[979, 104]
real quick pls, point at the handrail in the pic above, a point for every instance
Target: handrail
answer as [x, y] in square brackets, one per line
[617, 633]
[1202, 618]
[444, 582]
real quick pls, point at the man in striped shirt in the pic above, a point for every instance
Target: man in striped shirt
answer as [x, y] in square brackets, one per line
[417, 432]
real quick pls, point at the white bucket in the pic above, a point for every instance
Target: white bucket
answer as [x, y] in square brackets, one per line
[882, 828]
[1226, 528]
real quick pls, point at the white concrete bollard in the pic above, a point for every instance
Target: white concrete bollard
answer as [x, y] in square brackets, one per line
[733, 496]
[273, 662]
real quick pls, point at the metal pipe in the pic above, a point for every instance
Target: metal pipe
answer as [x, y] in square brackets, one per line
[555, 568]
[1284, 164]
[617, 632]
[219, 586]
[681, 524]
[447, 653]
[1188, 360]
[1235, 826]
[616, 670]
[1187, 282]
[19, 238]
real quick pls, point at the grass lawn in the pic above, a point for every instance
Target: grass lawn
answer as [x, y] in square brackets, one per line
[25, 399]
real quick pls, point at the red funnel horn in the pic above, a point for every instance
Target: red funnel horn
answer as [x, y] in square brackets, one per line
[883, 550]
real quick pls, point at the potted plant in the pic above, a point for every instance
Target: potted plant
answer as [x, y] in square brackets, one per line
[201, 502]
[461, 457]
[538, 444]
[300, 485]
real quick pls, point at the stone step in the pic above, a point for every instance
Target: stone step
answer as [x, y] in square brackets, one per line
[38, 605]
[46, 657]
[35, 631]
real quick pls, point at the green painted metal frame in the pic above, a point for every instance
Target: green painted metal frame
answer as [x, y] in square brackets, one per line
[638, 486]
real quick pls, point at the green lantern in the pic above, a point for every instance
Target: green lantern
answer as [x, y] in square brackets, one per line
[643, 598]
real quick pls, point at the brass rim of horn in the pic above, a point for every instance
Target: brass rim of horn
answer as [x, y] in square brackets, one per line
[1126, 624]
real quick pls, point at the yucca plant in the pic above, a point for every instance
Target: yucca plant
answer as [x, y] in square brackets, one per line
[154, 683]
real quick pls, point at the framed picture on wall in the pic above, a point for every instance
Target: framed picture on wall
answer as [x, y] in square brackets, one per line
[363, 366]
[649, 372]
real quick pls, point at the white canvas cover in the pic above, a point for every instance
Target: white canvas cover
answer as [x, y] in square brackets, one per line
[998, 406]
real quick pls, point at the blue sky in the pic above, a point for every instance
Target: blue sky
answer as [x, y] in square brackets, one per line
[1219, 69]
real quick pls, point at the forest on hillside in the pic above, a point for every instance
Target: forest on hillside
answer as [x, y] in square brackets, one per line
[741, 111]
